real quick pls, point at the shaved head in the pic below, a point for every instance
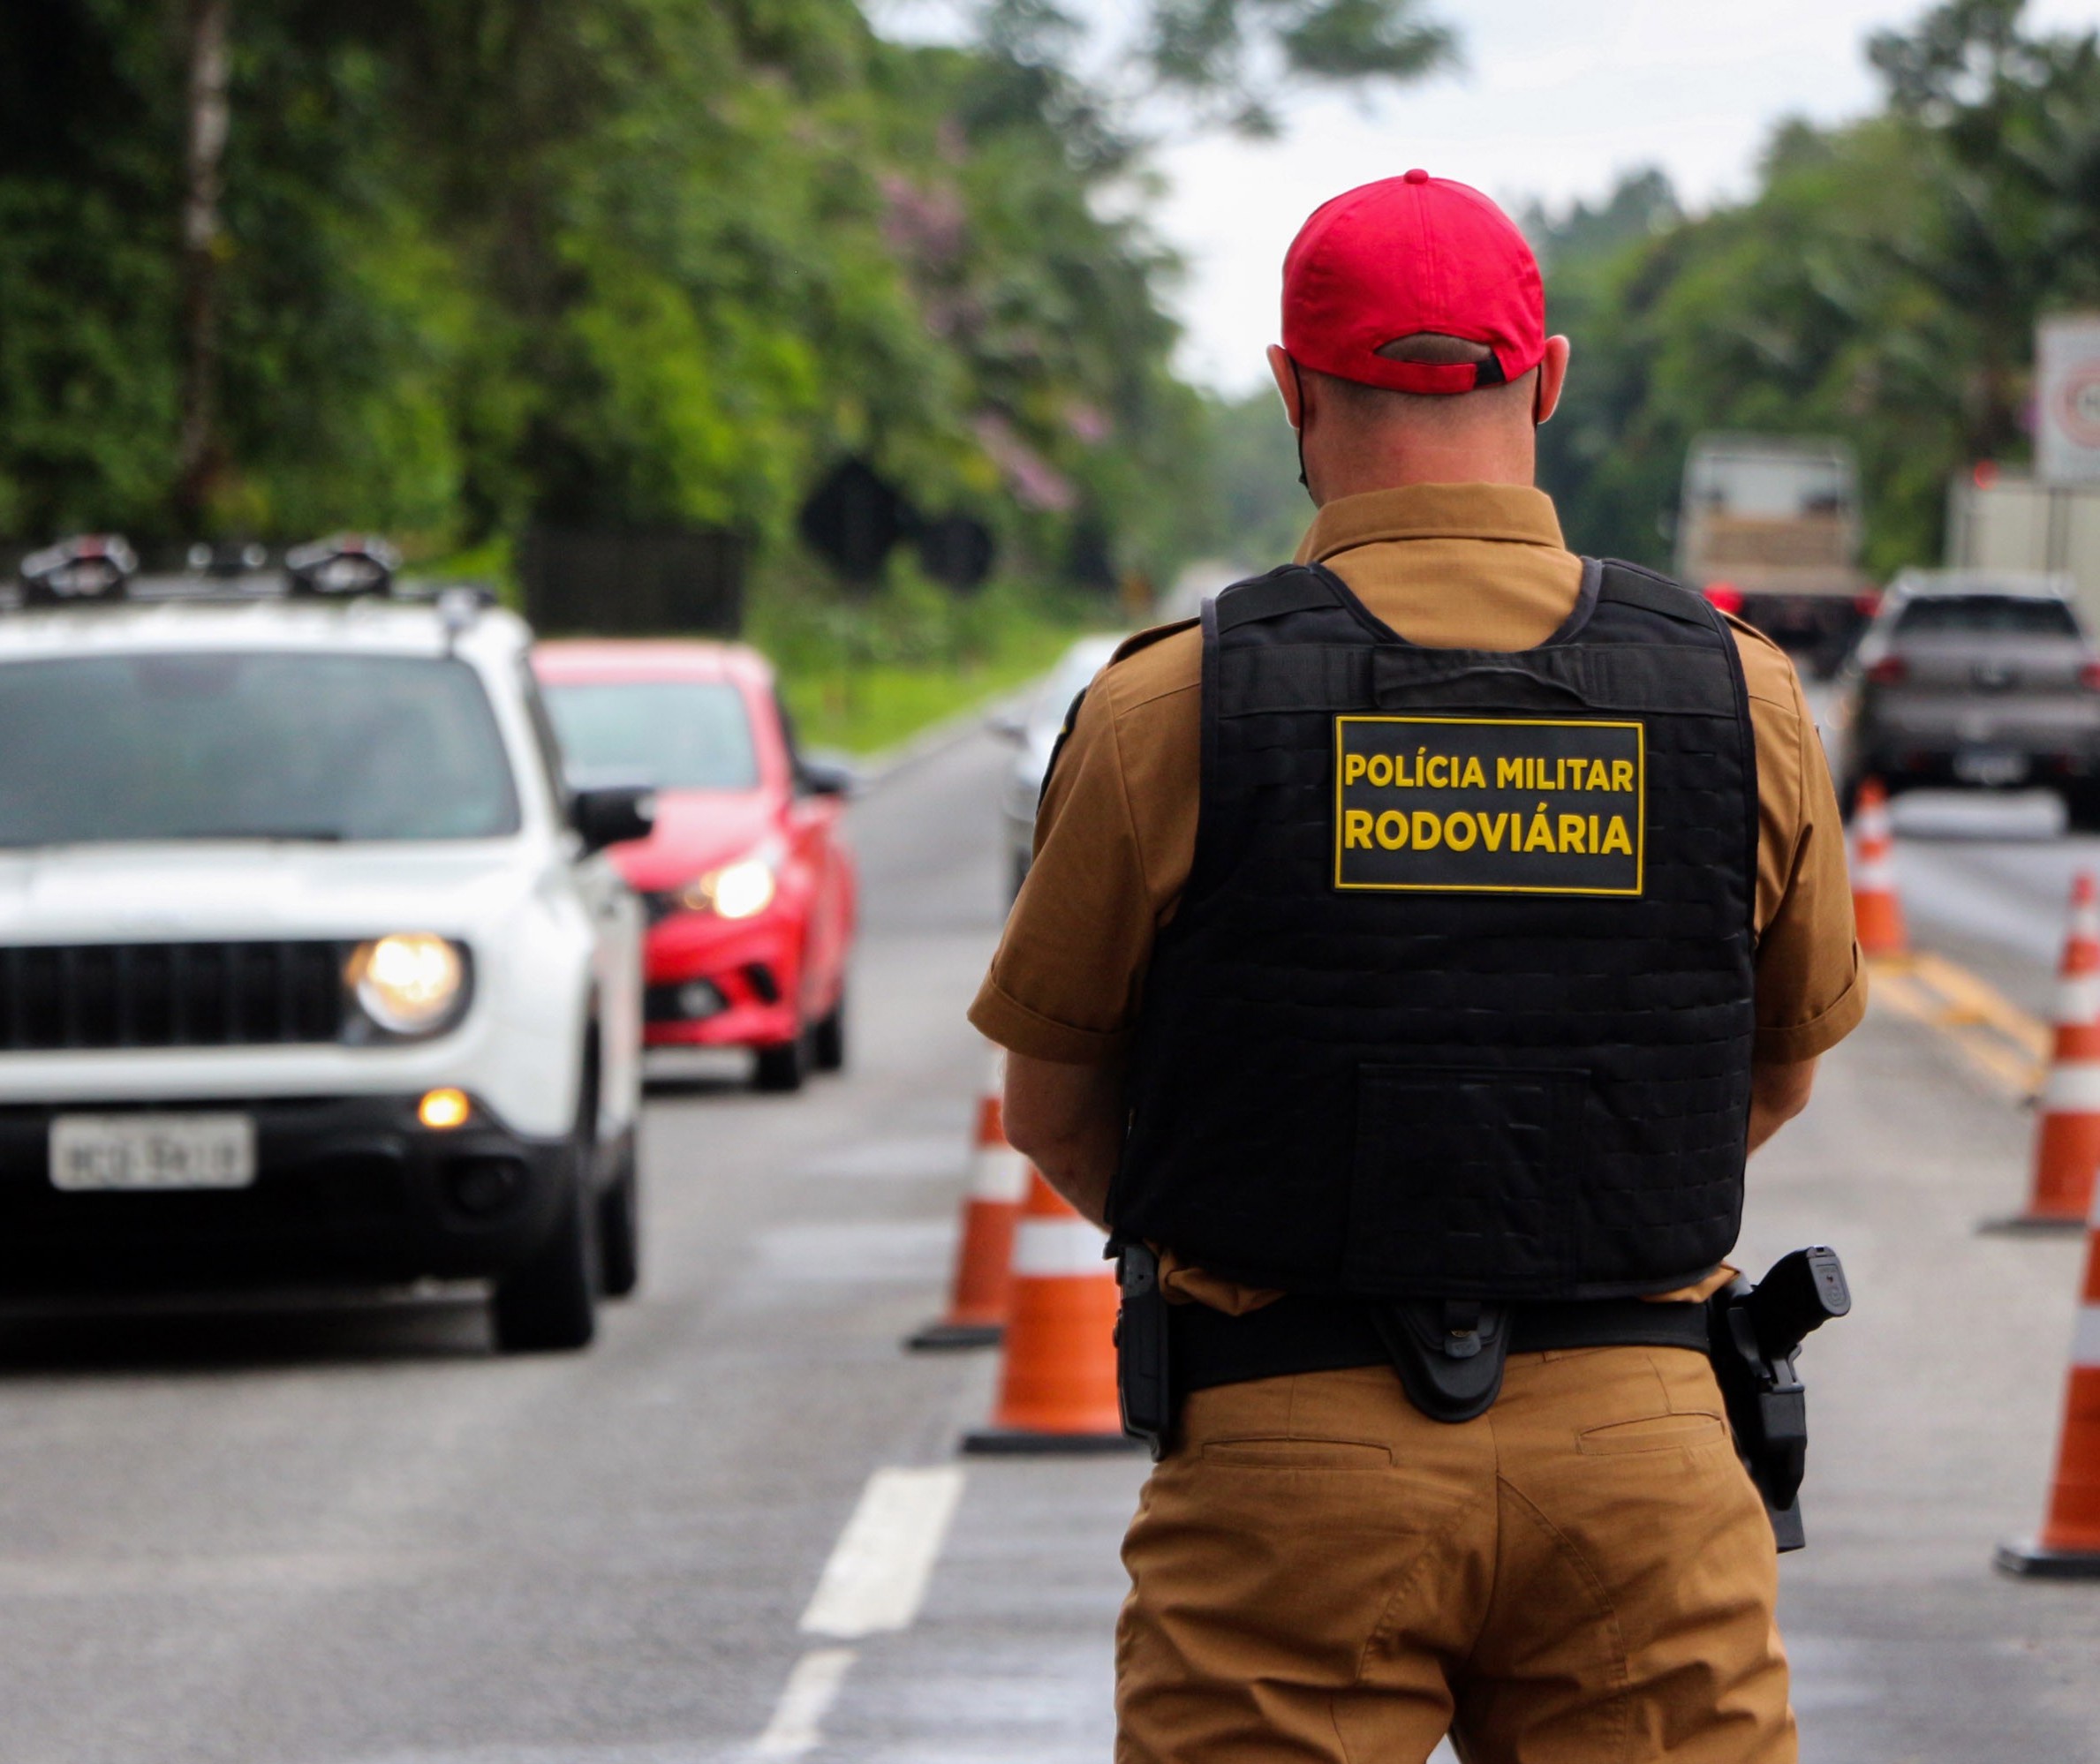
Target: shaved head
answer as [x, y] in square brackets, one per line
[1356, 437]
[1377, 405]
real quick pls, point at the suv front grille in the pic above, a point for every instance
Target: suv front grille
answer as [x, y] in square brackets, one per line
[58, 996]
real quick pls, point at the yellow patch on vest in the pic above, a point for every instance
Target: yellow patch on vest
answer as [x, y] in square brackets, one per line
[1414, 809]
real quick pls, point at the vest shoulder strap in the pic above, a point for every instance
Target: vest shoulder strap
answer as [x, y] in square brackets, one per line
[1296, 588]
[1632, 585]
[1291, 589]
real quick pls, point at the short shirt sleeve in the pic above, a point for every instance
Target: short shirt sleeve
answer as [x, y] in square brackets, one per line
[1811, 986]
[1065, 982]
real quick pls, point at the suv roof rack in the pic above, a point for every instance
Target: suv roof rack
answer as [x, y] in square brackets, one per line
[102, 570]
[99, 568]
[92, 567]
[342, 566]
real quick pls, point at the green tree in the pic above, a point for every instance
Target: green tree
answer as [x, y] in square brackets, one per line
[1881, 284]
[473, 263]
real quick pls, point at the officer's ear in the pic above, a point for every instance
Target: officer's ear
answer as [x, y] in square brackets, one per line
[1288, 383]
[1553, 375]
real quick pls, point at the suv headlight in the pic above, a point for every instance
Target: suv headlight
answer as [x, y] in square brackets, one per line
[741, 889]
[410, 983]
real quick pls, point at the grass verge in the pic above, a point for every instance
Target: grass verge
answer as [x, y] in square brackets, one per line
[861, 678]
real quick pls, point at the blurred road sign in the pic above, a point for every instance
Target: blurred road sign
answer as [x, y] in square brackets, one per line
[2067, 399]
[957, 551]
[1088, 561]
[852, 519]
[633, 581]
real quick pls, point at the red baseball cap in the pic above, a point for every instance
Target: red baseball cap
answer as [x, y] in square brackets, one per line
[1405, 255]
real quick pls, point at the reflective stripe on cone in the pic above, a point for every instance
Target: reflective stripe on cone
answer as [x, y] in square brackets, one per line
[2073, 1089]
[2078, 1004]
[1044, 1249]
[2085, 1344]
[998, 1173]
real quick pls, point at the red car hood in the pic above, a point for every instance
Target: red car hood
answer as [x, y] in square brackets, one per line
[696, 830]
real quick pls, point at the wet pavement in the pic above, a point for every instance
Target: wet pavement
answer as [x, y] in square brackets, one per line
[303, 1532]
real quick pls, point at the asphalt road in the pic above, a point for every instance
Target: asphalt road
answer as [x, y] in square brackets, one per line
[1988, 876]
[294, 1533]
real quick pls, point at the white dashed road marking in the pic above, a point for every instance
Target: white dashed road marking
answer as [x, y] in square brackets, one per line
[873, 1584]
[797, 1723]
[877, 1575]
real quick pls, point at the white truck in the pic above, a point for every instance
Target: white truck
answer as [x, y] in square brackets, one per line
[311, 968]
[2001, 518]
[1767, 527]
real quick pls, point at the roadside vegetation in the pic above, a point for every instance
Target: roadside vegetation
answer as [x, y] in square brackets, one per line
[1882, 284]
[451, 268]
[864, 676]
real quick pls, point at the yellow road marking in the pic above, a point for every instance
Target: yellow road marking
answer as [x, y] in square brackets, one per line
[1983, 1003]
[2008, 1045]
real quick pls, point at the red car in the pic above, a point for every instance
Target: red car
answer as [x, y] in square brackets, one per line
[747, 878]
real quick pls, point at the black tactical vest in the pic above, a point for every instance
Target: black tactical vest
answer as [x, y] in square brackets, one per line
[1457, 1002]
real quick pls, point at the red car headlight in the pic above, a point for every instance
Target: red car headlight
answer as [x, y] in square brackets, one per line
[739, 890]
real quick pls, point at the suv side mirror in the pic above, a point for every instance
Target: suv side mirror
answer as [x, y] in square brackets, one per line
[612, 814]
[1007, 722]
[826, 778]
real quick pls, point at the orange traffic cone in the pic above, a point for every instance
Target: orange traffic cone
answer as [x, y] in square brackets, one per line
[2069, 1546]
[1057, 1379]
[1875, 910]
[2068, 1138]
[977, 1306]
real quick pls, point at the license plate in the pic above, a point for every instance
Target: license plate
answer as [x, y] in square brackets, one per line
[152, 1152]
[1990, 765]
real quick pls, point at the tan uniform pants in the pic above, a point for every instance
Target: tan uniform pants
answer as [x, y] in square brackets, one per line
[1322, 1575]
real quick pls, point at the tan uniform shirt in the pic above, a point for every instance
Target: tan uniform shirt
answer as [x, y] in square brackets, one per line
[1476, 566]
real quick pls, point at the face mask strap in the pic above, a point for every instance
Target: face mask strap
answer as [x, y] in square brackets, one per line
[1299, 433]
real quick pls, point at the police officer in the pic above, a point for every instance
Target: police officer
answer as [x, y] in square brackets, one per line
[1417, 947]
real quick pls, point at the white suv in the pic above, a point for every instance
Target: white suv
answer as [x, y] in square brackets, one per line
[309, 966]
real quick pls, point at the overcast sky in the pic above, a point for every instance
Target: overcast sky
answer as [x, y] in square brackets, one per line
[1554, 101]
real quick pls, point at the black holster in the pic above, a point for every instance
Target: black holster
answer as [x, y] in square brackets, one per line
[1142, 1384]
[1754, 1333]
[1449, 1353]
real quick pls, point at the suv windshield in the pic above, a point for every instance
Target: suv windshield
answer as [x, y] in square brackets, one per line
[677, 734]
[1993, 614]
[208, 745]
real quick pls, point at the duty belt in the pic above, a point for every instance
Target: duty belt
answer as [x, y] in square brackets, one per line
[1433, 1348]
[1449, 1354]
